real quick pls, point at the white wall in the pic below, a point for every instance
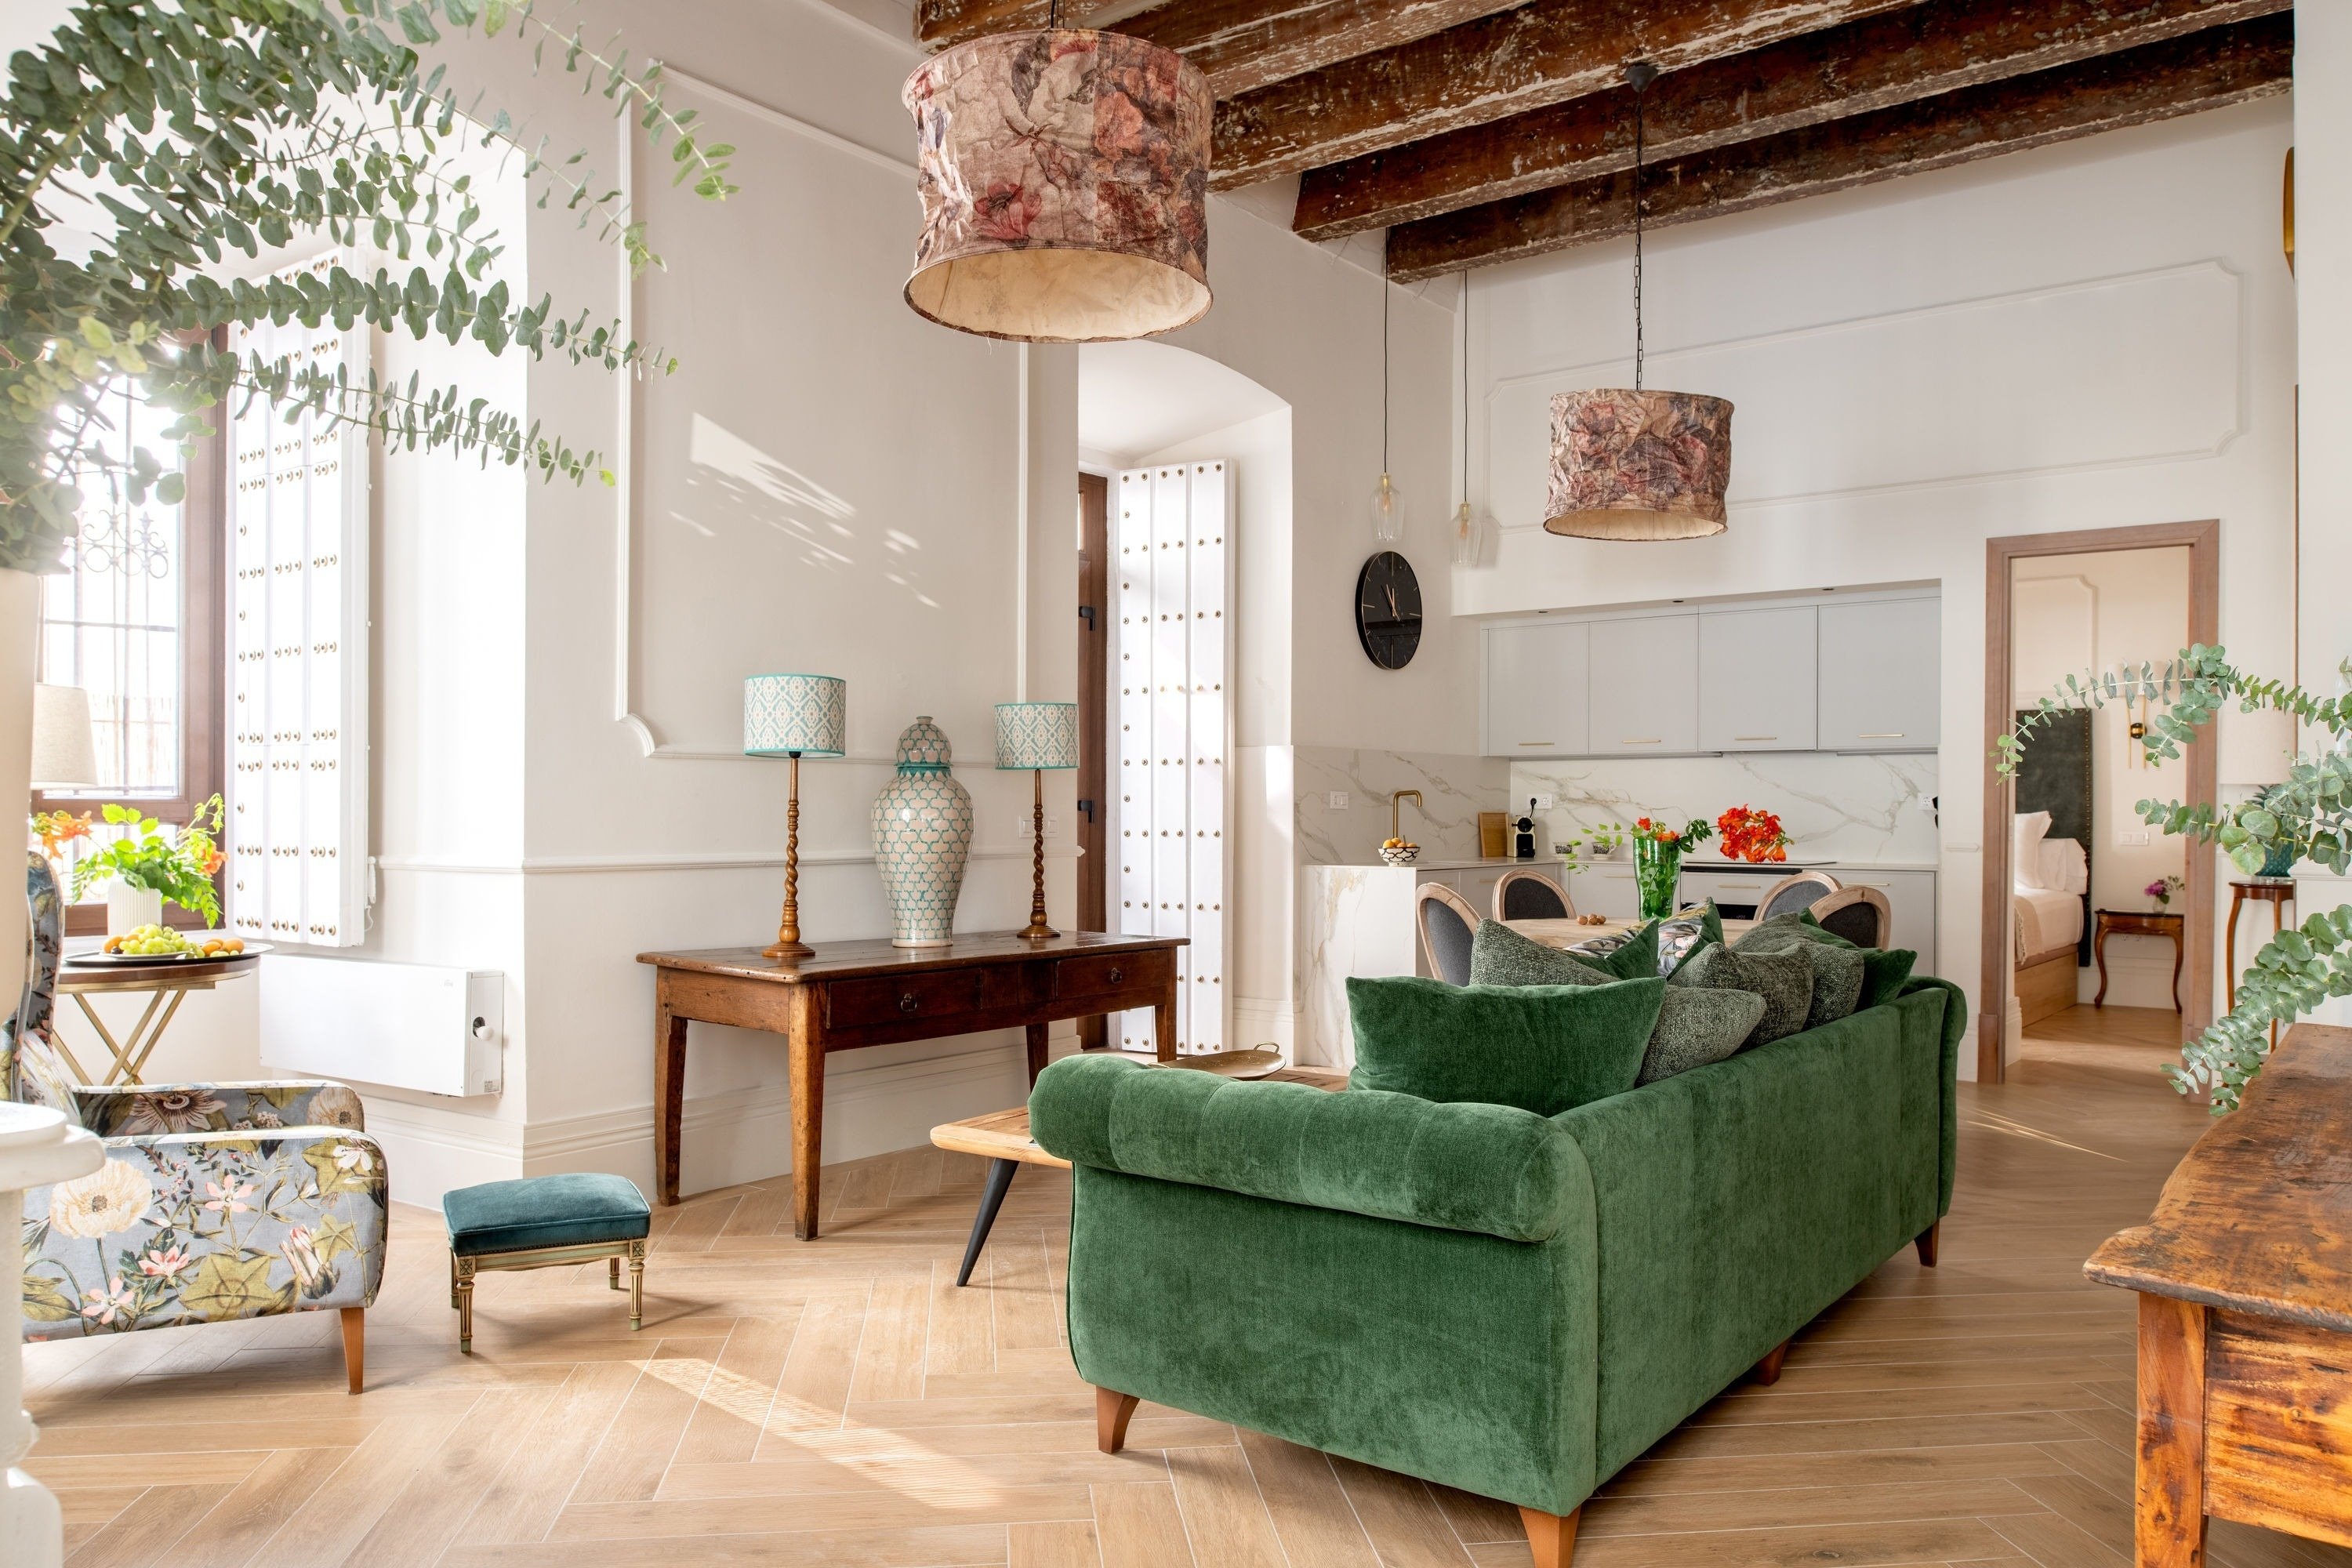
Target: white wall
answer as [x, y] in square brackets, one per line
[2323, 233]
[2091, 335]
[2117, 608]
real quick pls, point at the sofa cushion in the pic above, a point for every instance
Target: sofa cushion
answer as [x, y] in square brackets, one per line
[1784, 980]
[1695, 1026]
[1629, 955]
[1486, 1169]
[575, 1209]
[1681, 939]
[1837, 982]
[1543, 1049]
[1884, 970]
[1501, 956]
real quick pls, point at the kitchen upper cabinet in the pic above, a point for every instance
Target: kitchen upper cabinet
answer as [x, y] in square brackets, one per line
[1644, 687]
[1538, 678]
[1881, 675]
[1756, 680]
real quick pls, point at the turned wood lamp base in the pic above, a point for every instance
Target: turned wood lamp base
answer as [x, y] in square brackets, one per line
[788, 943]
[1037, 929]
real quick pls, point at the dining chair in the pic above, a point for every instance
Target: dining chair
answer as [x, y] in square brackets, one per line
[1795, 892]
[1525, 894]
[1446, 922]
[1861, 915]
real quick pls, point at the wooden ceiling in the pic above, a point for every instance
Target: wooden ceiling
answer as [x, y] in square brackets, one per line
[1477, 132]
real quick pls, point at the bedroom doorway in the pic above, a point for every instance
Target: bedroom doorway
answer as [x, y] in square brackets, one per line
[2067, 857]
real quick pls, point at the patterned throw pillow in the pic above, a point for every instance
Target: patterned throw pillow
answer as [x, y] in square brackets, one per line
[1682, 938]
[1697, 1027]
[1784, 980]
[1627, 955]
[1501, 956]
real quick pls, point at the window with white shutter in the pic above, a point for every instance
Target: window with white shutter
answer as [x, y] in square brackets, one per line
[1174, 731]
[297, 808]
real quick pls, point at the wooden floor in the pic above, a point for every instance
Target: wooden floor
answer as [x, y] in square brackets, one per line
[843, 1403]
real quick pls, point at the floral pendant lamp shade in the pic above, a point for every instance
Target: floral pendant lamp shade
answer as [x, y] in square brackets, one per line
[1632, 464]
[1064, 180]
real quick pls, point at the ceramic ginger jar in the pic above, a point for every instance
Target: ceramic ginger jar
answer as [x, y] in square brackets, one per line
[922, 834]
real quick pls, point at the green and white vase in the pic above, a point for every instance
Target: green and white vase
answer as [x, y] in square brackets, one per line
[922, 834]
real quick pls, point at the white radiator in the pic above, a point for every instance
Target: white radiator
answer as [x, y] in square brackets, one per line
[426, 1027]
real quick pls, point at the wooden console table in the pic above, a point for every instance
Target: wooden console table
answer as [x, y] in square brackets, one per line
[2244, 1276]
[2138, 922]
[848, 994]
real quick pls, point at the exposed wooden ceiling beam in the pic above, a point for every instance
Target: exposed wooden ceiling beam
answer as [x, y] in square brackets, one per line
[1872, 64]
[2207, 69]
[1241, 44]
[1541, 53]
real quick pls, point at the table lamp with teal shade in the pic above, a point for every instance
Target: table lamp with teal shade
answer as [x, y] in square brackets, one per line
[793, 716]
[1037, 736]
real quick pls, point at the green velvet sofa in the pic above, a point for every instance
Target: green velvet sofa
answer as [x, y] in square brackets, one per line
[1513, 1305]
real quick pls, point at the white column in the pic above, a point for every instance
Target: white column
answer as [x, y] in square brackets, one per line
[36, 1148]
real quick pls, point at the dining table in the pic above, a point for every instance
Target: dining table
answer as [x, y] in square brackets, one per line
[1566, 932]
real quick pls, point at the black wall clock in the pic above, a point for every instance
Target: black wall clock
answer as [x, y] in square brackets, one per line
[1387, 610]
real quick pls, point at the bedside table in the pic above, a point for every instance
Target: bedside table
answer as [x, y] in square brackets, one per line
[2138, 923]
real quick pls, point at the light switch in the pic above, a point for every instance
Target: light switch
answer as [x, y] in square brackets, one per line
[1337, 800]
[2133, 835]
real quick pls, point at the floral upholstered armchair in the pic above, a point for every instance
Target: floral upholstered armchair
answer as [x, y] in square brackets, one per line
[216, 1201]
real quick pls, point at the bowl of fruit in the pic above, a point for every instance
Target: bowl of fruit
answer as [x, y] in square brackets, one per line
[1398, 852]
[162, 945]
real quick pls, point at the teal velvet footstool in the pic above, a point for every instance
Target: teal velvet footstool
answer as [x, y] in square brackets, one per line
[540, 1222]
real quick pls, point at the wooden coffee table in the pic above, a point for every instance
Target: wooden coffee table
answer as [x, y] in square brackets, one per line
[1002, 1138]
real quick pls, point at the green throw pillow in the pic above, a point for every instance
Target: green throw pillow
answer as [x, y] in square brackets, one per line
[1544, 1048]
[1837, 982]
[1884, 970]
[1774, 932]
[1501, 956]
[1785, 981]
[1631, 957]
[1695, 1027]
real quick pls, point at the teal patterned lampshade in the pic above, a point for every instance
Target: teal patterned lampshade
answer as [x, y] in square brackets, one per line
[789, 714]
[1036, 734]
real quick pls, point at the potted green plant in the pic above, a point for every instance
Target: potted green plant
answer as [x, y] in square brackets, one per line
[2303, 966]
[148, 865]
[191, 136]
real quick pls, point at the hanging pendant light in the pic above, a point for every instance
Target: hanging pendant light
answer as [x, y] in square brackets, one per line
[1388, 506]
[1065, 180]
[1468, 536]
[1636, 464]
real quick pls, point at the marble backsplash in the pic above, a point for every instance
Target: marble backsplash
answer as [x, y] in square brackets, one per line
[1844, 807]
[1453, 788]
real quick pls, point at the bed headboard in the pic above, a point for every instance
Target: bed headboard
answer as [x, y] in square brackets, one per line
[2056, 777]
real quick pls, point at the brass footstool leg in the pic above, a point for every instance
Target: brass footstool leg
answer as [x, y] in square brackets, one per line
[465, 1292]
[615, 1262]
[636, 1284]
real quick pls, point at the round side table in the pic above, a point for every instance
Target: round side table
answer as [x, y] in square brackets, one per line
[2276, 892]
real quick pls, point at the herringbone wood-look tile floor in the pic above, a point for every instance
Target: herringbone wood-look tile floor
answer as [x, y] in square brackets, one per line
[843, 1403]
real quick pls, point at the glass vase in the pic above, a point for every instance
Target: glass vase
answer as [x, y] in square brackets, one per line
[1657, 875]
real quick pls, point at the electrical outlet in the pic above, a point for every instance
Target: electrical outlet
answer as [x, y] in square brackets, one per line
[1337, 800]
[1543, 802]
[2133, 835]
[1052, 827]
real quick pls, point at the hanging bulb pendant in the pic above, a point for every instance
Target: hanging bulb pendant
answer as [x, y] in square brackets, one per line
[1463, 545]
[1388, 512]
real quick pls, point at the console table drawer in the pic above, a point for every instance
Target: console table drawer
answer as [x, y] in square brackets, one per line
[1109, 974]
[894, 999]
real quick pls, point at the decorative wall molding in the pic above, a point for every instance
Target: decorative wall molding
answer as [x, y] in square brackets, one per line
[2182, 316]
[626, 694]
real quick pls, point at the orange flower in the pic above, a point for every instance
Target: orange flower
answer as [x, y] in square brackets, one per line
[212, 861]
[57, 829]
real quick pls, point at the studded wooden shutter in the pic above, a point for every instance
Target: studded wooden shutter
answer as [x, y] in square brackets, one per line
[298, 805]
[1174, 731]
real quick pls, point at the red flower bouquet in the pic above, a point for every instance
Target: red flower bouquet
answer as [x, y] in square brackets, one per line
[1751, 836]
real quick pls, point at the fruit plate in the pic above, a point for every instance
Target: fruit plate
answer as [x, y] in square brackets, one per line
[252, 950]
[1262, 1062]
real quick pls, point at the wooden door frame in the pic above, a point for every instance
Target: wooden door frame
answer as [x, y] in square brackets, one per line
[2203, 540]
[1094, 721]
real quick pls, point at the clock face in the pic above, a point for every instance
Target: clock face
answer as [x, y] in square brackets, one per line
[1387, 610]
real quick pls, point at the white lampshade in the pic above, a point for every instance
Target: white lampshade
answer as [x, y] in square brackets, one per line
[63, 757]
[2256, 747]
[795, 715]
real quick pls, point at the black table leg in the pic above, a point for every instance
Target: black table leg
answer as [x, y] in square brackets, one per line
[1000, 1181]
